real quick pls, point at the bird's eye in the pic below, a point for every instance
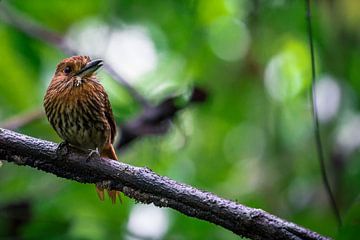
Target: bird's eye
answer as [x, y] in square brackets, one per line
[67, 70]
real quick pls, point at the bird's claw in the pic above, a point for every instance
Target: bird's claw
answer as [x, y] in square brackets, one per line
[92, 153]
[62, 148]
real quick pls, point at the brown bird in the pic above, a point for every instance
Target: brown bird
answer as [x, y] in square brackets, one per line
[79, 110]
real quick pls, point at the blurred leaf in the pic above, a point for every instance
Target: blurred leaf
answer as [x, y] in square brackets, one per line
[351, 228]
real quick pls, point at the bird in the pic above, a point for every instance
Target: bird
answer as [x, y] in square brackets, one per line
[78, 108]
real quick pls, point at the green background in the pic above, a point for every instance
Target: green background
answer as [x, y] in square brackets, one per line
[251, 141]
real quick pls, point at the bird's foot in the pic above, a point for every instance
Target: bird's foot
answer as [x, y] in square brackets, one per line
[92, 153]
[62, 148]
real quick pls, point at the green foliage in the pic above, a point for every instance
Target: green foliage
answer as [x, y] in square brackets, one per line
[251, 141]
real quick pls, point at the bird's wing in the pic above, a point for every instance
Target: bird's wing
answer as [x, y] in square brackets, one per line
[110, 118]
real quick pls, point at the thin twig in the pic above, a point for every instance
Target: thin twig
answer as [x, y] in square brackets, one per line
[317, 135]
[145, 186]
[35, 30]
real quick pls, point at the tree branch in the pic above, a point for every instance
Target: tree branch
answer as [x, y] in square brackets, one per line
[145, 186]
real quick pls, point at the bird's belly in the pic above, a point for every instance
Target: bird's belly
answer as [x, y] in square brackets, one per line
[88, 138]
[86, 132]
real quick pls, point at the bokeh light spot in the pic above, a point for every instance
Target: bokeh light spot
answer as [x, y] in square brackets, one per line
[148, 221]
[287, 73]
[132, 52]
[129, 49]
[348, 134]
[229, 38]
[328, 96]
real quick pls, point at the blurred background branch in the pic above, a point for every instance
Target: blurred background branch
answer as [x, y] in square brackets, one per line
[153, 121]
[35, 30]
[145, 186]
[18, 121]
[156, 120]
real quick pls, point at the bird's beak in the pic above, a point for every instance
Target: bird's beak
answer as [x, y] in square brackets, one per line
[90, 67]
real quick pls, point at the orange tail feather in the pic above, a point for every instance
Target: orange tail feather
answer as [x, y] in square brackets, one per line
[108, 152]
[100, 192]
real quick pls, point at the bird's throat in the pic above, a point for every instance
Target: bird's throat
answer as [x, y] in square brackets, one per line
[78, 81]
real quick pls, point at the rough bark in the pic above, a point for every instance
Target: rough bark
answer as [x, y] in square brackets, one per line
[145, 186]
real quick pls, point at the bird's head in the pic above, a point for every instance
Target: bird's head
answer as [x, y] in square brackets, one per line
[75, 70]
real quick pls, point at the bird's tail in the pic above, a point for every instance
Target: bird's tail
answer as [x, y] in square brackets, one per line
[108, 152]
